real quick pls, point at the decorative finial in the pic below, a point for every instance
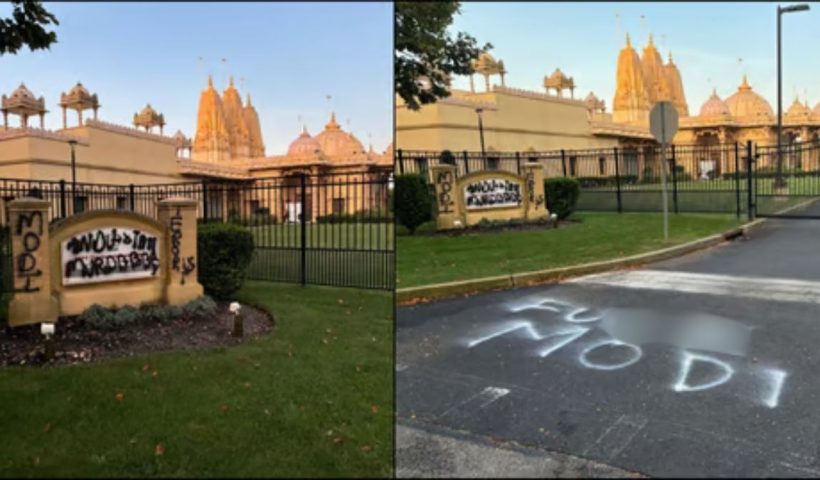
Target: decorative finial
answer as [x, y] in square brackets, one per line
[651, 44]
[670, 56]
[248, 99]
[714, 92]
[628, 42]
[745, 83]
[230, 80]
[210, 81]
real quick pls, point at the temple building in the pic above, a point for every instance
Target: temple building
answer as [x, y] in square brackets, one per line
[516, 120]
[226, 147]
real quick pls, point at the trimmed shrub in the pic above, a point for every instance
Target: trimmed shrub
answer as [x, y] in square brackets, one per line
[125, 316]
[97, 316]
[225, 251]
[158, 313]
[562, 195]
[199, 307]
[413, 202]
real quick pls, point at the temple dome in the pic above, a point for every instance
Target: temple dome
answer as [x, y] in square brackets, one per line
[304, 145]
[748, 105]
[336, 142]
[79, 90]
[356, 145]
[22, 92]
[148, 111]
[484, 61]
[715, 107]
[798, 111]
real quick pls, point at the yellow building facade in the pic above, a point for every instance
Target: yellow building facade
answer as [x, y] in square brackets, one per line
[516, 120]
[227, 148]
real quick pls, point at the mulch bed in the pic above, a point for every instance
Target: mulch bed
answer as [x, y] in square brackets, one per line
[77, 342]
[516, 227]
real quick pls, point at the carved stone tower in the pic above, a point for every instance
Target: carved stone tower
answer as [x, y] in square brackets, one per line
[212, 141]
[235, 122]
[631, 104]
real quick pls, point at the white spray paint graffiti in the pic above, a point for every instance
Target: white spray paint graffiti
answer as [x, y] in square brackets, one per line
[688, 359]
[629, 329]
[636, 350]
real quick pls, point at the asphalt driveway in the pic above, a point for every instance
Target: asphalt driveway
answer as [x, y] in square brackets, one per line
[706, 365]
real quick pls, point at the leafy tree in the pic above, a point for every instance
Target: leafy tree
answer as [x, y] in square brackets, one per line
[426, 55]
[26, 27]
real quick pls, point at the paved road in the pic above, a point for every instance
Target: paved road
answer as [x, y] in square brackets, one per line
[706, 365]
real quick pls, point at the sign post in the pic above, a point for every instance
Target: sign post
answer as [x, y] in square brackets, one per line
[663, 123]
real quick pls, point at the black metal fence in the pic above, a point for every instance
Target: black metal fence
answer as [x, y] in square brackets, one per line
[330, 229]
[701, 178]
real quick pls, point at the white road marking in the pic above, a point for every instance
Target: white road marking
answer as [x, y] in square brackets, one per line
[617, 437]
[483, 398]
[491, 394]
[775, 289]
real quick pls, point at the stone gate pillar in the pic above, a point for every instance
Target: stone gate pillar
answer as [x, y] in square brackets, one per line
[534, 184]
[180, 257]
[444, 179]
[28, 226]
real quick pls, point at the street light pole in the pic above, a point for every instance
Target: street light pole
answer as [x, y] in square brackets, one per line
[780, 182]
[481, 135]
[73, 174]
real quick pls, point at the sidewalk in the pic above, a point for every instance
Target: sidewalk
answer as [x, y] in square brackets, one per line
[427, 451]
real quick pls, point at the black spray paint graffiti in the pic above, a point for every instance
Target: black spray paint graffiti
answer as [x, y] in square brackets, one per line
[492, 193]
[26, 262]
[445, 199]
[618, 335]
[109, 252]
[187, 265]
[534, 200]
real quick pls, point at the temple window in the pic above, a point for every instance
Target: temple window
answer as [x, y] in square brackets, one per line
[338, 205]
[80, 204]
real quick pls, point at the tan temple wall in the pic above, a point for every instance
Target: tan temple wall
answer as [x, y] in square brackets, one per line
[359, 191]
[514, 122]
[102, 156]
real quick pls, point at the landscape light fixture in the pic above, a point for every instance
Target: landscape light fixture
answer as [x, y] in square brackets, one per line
[238, 329]
[779, 182]
[47, 329]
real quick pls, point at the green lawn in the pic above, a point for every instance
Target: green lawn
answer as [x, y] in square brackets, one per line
[426, 260]
[364, 236]
[763, 186]
[284, 405]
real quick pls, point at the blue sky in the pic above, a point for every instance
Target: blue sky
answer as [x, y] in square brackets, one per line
[706, 40]
[289, 56]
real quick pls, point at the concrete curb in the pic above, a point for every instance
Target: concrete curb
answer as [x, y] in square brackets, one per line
[426, 293]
